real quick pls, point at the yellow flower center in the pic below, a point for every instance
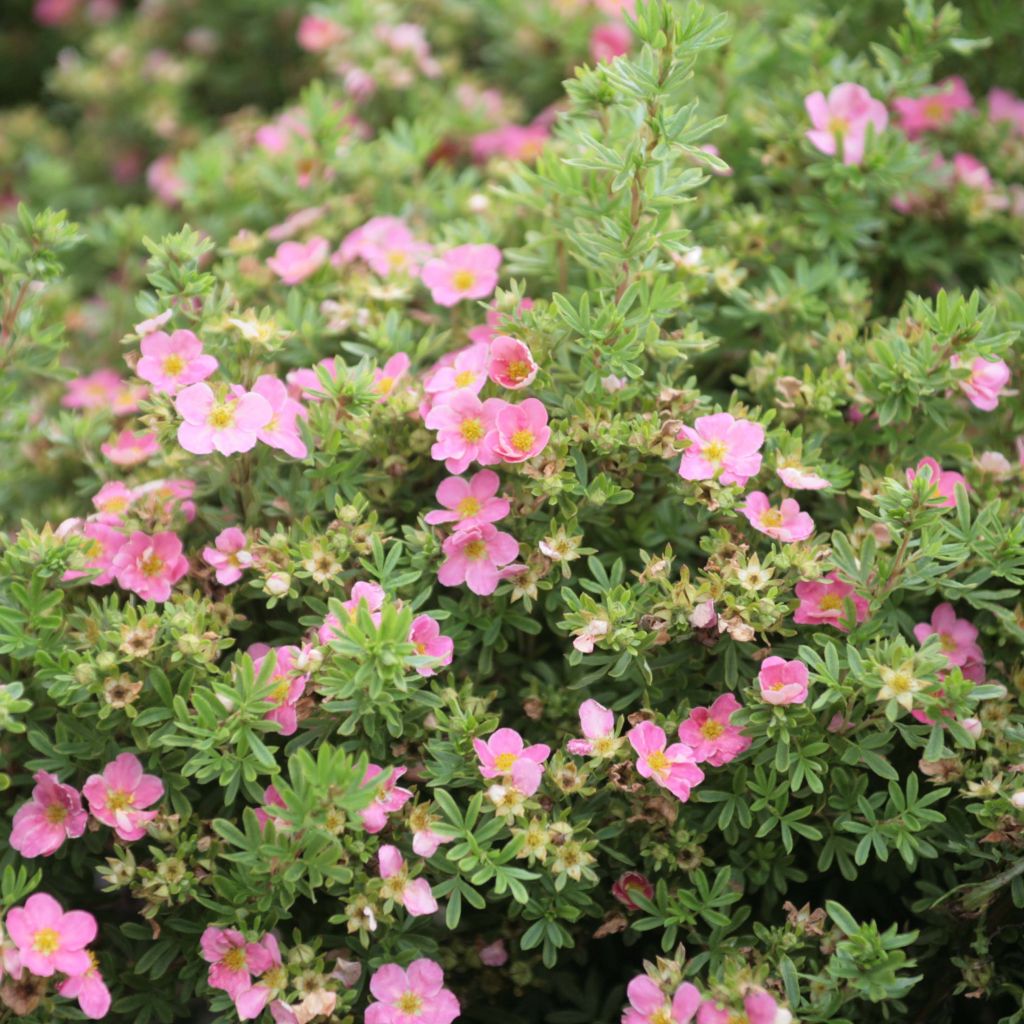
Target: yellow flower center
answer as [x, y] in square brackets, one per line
[662, 1016]
[715, 451]
[409, 1002]
[94, 550]
[397, 258]
[471, 430]
[658, 762]
[120, 799]
[118, 504]
[831, 603]
[838, 125]
[772, 518]
[234, 960]
[947, 641]
[467, 507]
[151, 565]
[222, 416]
[280, 692]
[711, 729]
[935, 110]
[517, 370]
[604, 746]
[384, 385]
[522, 440]
[475, 549]
[504, 762]
[901, 682]
[46, 941]
[463, 280]
[174, 365]
[56, 813]
[464, 378]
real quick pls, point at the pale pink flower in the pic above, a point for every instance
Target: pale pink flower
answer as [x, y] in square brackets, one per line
[469, 502]
[54, 813]
[711, 734]
[519, 432]
[165, 181]
[415, 995]
[511, 363]
[120, 795]
[150, 565]
[154, 323]
[289, 683]
[385, 379]
[786, 523]
[799, 478]
[426, 636]
[648, 1004]
[106, 541]
[758, 1008]
[920, 114]
[672, 767]
[251, 1002]
[823, 603]
[987, 379]
[465, 272]
[169, 497]
[227, 425]
[48, 939]
[386, 244]
[90, 990]
[958, 637]
[512, 141]
[494, 954]
[609, 41]
[390, 797]
[293, 262]
[1005, 106]
[414, 894]
[282, 429]
[229, 555]
[722, 448]
[294, 223]
[370, 594]
[474, 555]
[304, 382]
[592, 632]
[841, 122]
[464, 370]
[425, 841]
[783, 682]
[129, 449]
[232, 959]
[112, 501]
[97, 390]
[503, 754]
[970, 172]
[316, 34]
[171, 362]
[943, 482]
[463, 424]
[597, 724]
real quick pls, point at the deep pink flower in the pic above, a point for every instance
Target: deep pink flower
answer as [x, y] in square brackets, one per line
[385, 379]
[958, 637]
[672, 767]
[295, 261]
[150, 565]
[920, 114]
[289, 683]
[597, 724]
[629, 882]
[281, 431]
[227, 425]
[172, 361]
[271, 798]
[841, 122]
[465, 272]
[609, 41]
[503, 754]
[106, 541]
[229, 556]
[232, 959]
[519, 432]
[648, 1004]
[722, 448]
[390, 797]
[474, 556]
[48, 939]
[120, 795]
[426, 636]
[54, 813]
[823, 602]
[414, 894]
[511, 363]
[984, 385]
[943, 481]
[129, 449]
[785, 523]
[90, 990]
[783, 682]
[711, 734]
[469, 502]
[412, 996]
[463, 424]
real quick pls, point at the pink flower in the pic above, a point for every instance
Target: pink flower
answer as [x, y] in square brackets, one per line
[958, 637]
[425, 841]
[511, 363]
[172, 361]
[504, 754]
[370, 594]
[465, 272]
[271, 798]
[169, 496]
[164, 180]
[304, 382]
[597, 724]
[513, 141]
[592, 632]
[293, 262]
[150, 565]
[386, 244]
[609, 41]
[943, 482]
[54, 813]
[228, 425]
[971, 172]
[413, 996]
[229, 556]
[251, 1002]
[463, 424]
[519, 433]
[389, 798]
[100, 554]
[317, 34]
[709, 732]
[494, 954]
[785, 523]
[282, 429]
[128, 449]
[469, 503]
[722, 448]
[1005, 106]
[90, 990]
[385, 379]
[648, 1004]
[935, 110]
[154, 323]
[841, 121]
[233, 960]
[783, 682]
[50, 940]
[823, 603]
[987, 379]
[671, 767]
[495, 319]
[289, 683]
[111, 502]
[464, 370]
[758, 1008]
[425, 635]
[799, 478]
[474, 556]
[414, 894]
[119, 797]
[629, 882]
[97, 390]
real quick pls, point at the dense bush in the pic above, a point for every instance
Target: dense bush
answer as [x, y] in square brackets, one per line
[512, 511]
